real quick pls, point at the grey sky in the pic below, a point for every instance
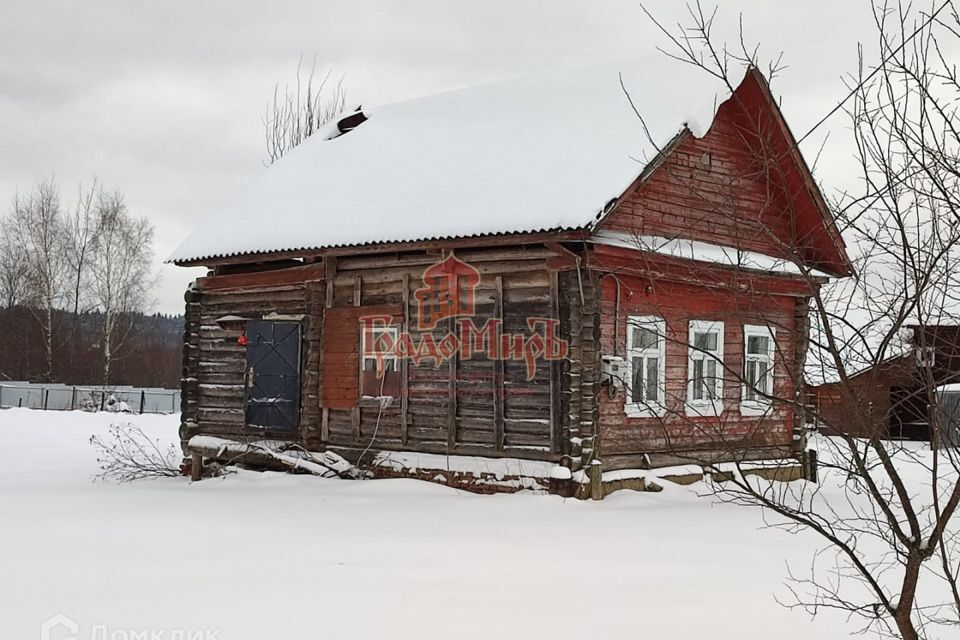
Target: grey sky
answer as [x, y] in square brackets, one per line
[164, 99]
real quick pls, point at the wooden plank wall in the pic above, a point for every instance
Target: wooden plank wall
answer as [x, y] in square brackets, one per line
[476, 406]
[678, 304]
[707, 189]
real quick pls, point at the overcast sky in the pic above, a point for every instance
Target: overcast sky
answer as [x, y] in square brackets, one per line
[164, 100]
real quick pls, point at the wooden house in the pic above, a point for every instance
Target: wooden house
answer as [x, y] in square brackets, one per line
[550, 273]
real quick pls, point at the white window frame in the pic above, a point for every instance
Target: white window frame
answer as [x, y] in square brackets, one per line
[705, 406]
[758, 406]
[646, 409]
[365, 356]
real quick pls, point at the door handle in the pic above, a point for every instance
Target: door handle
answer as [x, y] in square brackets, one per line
[250, 377]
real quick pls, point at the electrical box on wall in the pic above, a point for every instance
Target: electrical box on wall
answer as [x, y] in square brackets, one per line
[614, 370]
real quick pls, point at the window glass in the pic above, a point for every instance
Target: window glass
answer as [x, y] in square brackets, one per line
[645, 338]
[757, 365]
[758, 344]
[645, 353]
[705, 341]
[705, 366]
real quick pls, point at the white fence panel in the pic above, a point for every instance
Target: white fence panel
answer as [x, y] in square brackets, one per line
[59, 397]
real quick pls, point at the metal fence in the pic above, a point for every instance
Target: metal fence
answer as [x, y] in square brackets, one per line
[60, 397]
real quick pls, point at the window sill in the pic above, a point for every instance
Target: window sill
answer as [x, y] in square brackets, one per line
[703, 409]
[634, 410]
[755, 409]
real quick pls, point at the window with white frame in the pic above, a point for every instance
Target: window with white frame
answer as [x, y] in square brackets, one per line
[759, 346]
[646, 337]
[705, 367]
[379, 370]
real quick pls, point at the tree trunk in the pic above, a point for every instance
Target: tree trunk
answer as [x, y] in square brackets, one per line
[107, 353]
[908, 592]
[48, 342]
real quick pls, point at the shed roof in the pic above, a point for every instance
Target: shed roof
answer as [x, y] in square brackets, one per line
[543, 153]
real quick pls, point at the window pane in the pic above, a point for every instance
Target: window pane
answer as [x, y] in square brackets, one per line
[762, 378]
[379, 340]
[370, 364]
[705, 341]
[698, 379]
[758, 345]
[750, 378]
[653, 379]
[710, 379]
[387, 383]
[645, 338]
[636, 387]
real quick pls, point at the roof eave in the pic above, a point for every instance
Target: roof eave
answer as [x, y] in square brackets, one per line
[518, 237]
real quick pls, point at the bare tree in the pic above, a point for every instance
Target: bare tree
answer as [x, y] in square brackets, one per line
[38, 233]
[13, 267]
[81, 239]
[300, 111]
[121, 275]
[884, 510]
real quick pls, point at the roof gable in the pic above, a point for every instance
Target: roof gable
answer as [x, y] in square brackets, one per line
[742, 184]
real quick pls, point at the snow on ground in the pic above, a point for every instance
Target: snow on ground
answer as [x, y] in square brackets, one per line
[277, 556]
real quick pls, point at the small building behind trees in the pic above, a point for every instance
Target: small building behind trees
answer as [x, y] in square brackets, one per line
[508, 281]
[897, 396]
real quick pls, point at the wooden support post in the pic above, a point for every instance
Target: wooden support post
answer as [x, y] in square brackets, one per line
[811, 464]
[405, 365]
[595, 473]
[452, 390]
[355, 413]
[555, 369]
[329, 277]
[330, 274]
[196, 466]
[498, 374]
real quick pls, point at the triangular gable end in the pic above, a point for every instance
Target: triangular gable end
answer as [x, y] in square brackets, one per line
[744, 184]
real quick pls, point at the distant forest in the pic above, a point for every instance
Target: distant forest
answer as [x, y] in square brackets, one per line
[148, 356]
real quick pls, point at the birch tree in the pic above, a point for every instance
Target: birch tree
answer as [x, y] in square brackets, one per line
[81, 239]
[38, 235]
[13, 268]
[121, 275]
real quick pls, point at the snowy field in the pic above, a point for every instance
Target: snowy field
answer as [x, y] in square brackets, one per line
[255, 556]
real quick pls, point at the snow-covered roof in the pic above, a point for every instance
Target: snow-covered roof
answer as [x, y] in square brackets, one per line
[540, 153]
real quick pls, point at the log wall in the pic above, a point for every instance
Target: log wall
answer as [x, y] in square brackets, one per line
[214, 364]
